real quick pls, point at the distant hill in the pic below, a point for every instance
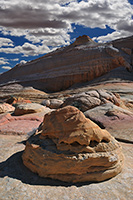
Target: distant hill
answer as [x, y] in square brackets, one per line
[82, 61]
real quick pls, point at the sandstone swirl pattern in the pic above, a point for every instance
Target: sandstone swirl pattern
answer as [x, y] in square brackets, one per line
[69, 147]
[82, 61]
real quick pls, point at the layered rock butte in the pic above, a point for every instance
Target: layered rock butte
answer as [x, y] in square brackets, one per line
[82, 61]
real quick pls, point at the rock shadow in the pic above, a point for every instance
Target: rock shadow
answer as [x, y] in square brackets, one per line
[13, 167]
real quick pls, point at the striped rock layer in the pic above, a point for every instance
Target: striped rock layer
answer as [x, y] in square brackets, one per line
[71, 148]
[82, 61]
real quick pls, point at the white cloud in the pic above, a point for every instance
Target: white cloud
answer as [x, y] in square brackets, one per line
[14, 59]
[6, 67]
[48, 23]
[26, 49]
[112, 36]
[3, 61]
[5, 42]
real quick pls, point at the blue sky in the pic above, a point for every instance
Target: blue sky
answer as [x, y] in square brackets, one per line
[30, 29]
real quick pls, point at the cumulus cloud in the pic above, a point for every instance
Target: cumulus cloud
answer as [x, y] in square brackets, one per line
[111, 36]
[26, 49]
[14, 59]
[6, 67]
[5, 42]
[47, 24]
[3, 61]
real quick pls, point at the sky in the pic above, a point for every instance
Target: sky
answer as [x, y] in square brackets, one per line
[32, 28]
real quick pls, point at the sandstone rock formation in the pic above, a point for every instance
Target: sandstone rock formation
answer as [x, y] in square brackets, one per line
[5, 107]
[87, 100]
[52, 103]
[17, 182]
[28, 108]
[18, 100]
[20, 93]
[79, 62]
[118, 121]
[71, 148]
[21, 125]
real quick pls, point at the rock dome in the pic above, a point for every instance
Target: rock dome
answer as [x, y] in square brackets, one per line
[69, 147]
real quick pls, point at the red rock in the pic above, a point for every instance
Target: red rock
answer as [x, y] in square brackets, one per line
[116, 120]
[18, 100]
[18, 125]
[72, 148]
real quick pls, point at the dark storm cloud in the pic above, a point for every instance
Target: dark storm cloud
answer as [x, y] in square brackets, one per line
[28, 18]
[125, 25]
[48, 23]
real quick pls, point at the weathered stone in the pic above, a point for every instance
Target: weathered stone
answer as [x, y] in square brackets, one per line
[116, 120]
[82, 61]
[28, 108]
[19, 125]
[72, 148]
[5, 107]
[18, 100]
[87, 100]
[52, 103]
[16, 92]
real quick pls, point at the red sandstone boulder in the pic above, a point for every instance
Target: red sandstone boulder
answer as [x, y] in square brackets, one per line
[71, 148]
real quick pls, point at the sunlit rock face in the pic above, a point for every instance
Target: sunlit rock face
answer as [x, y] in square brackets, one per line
[69, 147]
[82, 61]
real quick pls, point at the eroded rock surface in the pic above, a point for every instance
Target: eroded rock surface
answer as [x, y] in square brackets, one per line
[52, 103]
[28, 108]
[71, 148]
[17, 100]
[21, 125]
[87, 100]
[118, 121]
[5, 107]
[82, 61]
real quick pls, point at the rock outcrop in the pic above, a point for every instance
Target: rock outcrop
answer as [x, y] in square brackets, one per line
[27, 108]
[87, 100]
[71, 148]
[21, 125]
[17, 100]
[52, 103]
[82, 61]
[5, 107]
[117, 120]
